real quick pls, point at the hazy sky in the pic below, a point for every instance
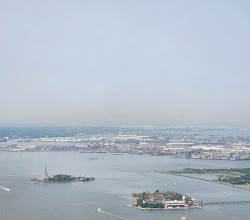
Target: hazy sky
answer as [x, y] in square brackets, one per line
[78, 61]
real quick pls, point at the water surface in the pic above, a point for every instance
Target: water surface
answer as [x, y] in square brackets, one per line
[117, 176]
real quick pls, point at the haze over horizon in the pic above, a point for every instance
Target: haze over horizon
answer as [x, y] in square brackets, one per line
[78, 62]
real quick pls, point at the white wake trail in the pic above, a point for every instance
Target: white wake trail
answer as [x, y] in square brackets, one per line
[4, 188]
[117, 216]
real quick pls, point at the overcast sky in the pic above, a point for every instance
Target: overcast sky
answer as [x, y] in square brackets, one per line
[78, 61]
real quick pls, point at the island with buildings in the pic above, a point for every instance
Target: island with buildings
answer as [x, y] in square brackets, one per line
[164, 200]
[237, 177]
[61, 178]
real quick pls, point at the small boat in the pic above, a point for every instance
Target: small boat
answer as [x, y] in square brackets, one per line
[183, 218]
[5, 189]
[99, 210]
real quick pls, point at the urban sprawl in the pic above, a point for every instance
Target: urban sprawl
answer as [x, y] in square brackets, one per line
[155, 142]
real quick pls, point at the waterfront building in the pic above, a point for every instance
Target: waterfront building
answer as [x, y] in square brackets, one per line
[175, 204]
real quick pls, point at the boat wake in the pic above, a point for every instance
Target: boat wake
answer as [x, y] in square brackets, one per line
[110, 214]
[4, 188]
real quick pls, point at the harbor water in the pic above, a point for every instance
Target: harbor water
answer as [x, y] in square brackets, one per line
[117, 176]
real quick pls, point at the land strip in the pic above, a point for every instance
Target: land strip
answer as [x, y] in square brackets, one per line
[231, 174]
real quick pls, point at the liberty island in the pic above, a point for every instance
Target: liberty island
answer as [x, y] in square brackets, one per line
[61, 178]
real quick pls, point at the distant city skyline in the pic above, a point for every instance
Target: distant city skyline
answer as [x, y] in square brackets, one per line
[110, 62]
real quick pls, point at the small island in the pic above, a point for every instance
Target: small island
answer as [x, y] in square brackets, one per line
[164, 200]
[238, 177]
[61, 178]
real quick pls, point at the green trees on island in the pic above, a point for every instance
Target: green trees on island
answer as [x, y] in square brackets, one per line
[243, 179]
[61, 177]
[66, 178]
[173, 195]
[147, 205]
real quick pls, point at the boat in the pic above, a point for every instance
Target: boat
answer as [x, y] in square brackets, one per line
[5, 189]
[99, 209]
[183, 218]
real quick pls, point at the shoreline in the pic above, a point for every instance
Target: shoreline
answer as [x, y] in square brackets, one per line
[138, 207]
[60, 181]
[66, 181]
[198, 178]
